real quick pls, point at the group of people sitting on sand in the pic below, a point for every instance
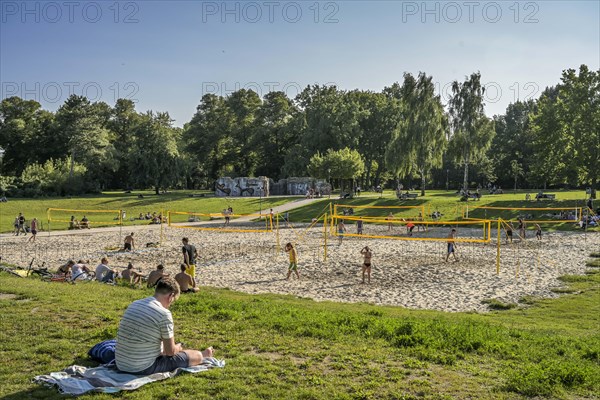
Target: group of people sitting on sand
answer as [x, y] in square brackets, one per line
[82, 270]
[84, 223]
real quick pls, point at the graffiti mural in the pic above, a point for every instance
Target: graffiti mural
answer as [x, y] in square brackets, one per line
[242, 187]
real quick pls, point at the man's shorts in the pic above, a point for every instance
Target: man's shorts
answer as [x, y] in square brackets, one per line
[293, 266]
[167, 364]
[450, 248]
[191, 270]
[127, 246]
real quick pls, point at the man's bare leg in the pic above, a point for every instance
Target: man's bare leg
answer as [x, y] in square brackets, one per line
[196, 357]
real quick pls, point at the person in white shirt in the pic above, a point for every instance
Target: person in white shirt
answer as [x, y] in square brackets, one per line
[103, 272]
[79, 270]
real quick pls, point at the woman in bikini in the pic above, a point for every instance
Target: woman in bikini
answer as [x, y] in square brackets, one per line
[366, 267]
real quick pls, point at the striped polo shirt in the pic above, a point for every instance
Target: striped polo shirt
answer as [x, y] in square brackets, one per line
[141, 331]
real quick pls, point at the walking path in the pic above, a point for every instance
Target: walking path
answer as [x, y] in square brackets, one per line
[301, 202]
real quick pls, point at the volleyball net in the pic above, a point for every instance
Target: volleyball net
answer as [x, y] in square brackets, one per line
[378, 212]
[539, 215]
[60, 218]
[472, 231]
[223, 221]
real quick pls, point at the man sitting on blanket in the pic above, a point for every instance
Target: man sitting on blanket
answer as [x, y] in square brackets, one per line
[145, 339]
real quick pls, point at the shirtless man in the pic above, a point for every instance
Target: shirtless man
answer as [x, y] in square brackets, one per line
[132, 276]
[538, 231]
[341, 229]
[366, 267]
[156, 275]
[452, 245]
[186, 283]
[129, 242]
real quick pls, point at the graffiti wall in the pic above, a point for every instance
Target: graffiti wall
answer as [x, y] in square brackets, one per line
[242, 187]
[251, 187]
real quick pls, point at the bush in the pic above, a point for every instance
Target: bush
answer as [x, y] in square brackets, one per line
[53, 178]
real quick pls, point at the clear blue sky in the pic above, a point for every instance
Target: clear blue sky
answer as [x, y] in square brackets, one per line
[167, 54]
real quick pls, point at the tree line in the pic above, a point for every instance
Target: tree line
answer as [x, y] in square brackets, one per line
[402, 134]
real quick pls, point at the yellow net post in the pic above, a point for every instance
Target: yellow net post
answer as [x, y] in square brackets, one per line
[277, 232]
[325, 237]
[498, 250]
[162, 213]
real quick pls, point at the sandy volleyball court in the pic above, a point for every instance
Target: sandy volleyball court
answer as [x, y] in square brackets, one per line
[409, 274]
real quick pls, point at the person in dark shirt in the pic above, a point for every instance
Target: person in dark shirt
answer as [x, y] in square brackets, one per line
[189, 258]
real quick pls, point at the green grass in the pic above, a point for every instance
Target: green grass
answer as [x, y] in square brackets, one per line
[449, 204]
[282, 347]
[175, 201]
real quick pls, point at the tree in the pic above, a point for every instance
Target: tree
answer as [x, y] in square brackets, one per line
[579, 114]
[81, 129]
[331, 119]
[243, 106]
[154, 160]
[471, 130]
[207, 137]
[25, 130]
[550, 144]
[378, 122]
[421, 139]
[513, 140]
[341, 164]
[274, 136]
[517, 170]
[122, 124]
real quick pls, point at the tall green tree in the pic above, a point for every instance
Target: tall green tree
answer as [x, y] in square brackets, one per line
[378, 121]
[421, 140]
[513, 140]
[274, 136]
[243, 106]
[82, 128]
[208, 140]
[25, 134]
[579, 113]
[154, 158]
[471, 130]
[330, 121]
[122, 124]
[551, 146]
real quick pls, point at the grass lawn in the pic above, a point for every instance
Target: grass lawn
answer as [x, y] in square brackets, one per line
[282, 347]
[449, 204]
[174, 201]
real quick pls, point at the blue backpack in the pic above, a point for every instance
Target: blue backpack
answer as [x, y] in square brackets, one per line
[103, 352]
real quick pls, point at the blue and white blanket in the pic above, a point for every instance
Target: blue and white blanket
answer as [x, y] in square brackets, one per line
[77, 380]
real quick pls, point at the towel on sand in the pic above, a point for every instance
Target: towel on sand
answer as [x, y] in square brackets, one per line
[77, 380]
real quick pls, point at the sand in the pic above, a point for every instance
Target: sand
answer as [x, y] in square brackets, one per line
[408, 274]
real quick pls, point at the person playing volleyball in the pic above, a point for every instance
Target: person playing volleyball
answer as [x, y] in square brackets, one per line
[366, 267]
[289, 248]
[451, 245]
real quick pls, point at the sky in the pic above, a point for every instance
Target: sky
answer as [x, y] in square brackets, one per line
[165, 55]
